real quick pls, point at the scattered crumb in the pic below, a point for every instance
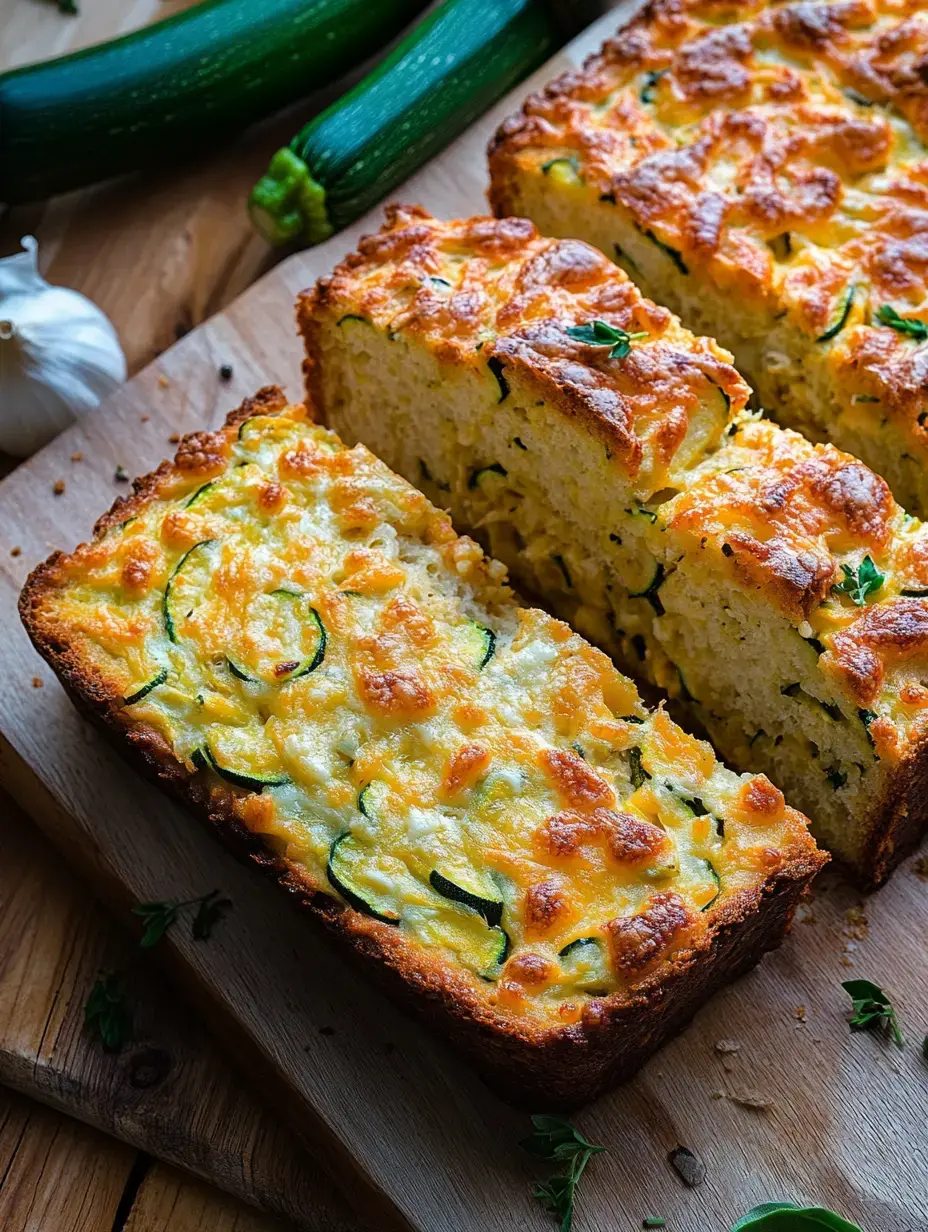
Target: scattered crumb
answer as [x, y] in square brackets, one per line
[751, 1099]
[326, 1030]
[800, 1013]
[17, 551]
[688, 1167]
[121, 475]
[805, 914]
[858, 926]
[920, 868]
[38, 682]
[174, 438]
[144, 418]
[225, 372]
[58, 487]
[163, 381]
[846, 962]
[727, 1064]
[727, 1045]
[718, 1094]
[77, 456]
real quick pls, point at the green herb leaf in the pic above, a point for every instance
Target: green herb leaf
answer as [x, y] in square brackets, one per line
[887, 315]
[559, 1142]
[601, 334]
[654, 1221]
[211, 910]
[158, 918]
[873, 1010]
[860, 582]
[787, 1217]
[106, 1012]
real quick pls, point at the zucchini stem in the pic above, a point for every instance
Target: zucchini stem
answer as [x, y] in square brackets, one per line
[287, 204]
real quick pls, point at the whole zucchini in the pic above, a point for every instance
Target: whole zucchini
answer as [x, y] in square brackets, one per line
[177, 87]
[447, 72]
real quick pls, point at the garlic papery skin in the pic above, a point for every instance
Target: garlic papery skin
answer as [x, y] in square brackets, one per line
[59, 355]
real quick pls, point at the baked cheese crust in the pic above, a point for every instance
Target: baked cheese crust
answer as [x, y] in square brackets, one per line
[772, 585]
[761, 169]
[297, 639]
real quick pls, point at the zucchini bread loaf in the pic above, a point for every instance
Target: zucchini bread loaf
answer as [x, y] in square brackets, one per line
[295, 641]
[772, 586]
[761, 169]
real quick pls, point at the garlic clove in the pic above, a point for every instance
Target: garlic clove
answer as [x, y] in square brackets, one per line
[59, 355]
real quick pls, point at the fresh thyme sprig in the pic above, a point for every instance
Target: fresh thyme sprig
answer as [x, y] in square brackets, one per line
[557, 1141]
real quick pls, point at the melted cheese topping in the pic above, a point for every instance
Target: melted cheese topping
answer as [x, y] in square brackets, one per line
[310, 638]
[778, 150]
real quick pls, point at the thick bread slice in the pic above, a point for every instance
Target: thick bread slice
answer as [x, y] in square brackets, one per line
[293, 640]
[772, 586]
[761, 169]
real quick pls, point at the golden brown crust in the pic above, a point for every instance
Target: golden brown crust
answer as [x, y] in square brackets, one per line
[722, 131]
[512, 308]
[560, 1066]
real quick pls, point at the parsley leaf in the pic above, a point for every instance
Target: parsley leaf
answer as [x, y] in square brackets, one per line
[601, 334]
[860, 582]
[887, 315]
[559, 1142]
[211, 910]
[107, 1013]
[159, 917]
[873, 1010]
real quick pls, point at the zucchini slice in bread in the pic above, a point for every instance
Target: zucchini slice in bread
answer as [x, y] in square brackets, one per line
[420, 789]
[778, 579]
[760, 169]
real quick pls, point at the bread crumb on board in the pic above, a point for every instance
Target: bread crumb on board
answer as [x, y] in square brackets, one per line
[58, 487]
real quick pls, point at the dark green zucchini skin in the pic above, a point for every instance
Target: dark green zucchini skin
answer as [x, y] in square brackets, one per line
[447, 72]
[177, 87]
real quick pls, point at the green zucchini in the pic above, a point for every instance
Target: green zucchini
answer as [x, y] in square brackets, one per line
[145, 689]
[200, 492]
[296, 663]
[186, 586]
[496, 366]
[482, 949]
[718, 884]
[650, 589]
[476, 899]
[478, 641]
[585, 959]
[178, 87]
[346, 857]
[372, 798]
[636, 772]
[843, 314]
[477, 477]
[231, 761]
[673, 253]
[454, 65]
[796, 690]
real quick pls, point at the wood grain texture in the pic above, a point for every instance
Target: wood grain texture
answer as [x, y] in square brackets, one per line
[57, 1176]
[168, 1092]
[802, 1110]
[60, 1176]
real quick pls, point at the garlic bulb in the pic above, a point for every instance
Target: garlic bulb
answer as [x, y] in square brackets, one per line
[59, 355]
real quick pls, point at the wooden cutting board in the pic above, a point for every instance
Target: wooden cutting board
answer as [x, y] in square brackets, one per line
[793, 1107]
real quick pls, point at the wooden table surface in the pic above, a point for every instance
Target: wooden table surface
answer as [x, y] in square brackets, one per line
[159, 253]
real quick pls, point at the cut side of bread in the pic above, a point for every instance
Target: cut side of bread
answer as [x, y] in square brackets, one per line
[772, 587]
[295, 642]
[760, 170]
